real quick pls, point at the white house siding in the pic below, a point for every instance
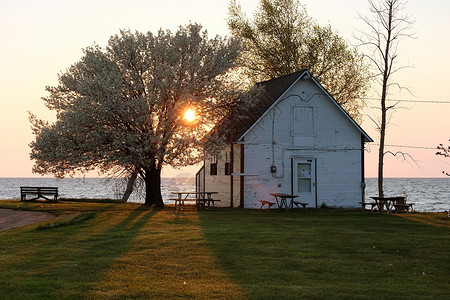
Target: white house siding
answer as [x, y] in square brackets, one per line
[258, 186]
[221, 183]
[335, 146]
[339, 178]
[236, 179]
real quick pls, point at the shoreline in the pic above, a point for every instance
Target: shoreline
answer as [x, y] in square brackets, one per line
[428, 194]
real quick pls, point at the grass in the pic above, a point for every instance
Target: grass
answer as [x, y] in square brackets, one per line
[116, 250]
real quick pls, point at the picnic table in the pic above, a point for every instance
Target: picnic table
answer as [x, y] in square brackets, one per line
[202, 199]
[397, 203]
[282, 200]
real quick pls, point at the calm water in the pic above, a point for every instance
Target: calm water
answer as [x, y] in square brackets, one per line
[90, 188]
[429, 194]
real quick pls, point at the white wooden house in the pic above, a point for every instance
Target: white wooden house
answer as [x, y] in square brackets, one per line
[298, 141]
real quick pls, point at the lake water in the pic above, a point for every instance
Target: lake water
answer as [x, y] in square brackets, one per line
[90, 188]
[428, 194]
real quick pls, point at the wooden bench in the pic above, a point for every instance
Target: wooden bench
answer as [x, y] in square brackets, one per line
[39, 192]
[179, 202]
[372, 204]
[205, 203]
[297, 203]
[403, 207]
[268, 203]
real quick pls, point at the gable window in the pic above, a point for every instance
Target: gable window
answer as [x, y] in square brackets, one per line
[302, 121]
[213, 166]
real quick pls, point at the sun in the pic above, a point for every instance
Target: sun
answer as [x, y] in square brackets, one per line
[189, 115]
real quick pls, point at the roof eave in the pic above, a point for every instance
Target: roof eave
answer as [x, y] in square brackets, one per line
[367, 138]
[301, 75]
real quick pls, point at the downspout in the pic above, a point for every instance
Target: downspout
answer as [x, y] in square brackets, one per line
[204, 176]
[363, 179]
[241, 204]
[231, 176]
[292, 176]
[315, 180]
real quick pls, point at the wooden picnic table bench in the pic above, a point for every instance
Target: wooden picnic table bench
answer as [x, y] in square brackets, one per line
[283, 200]
[403, 207]
[180, 202]
[39, 192]
[364, 203]
[298, 204]
[399, 203]
[264, 203]
[206, 202]
[270, 204]
[202, 199]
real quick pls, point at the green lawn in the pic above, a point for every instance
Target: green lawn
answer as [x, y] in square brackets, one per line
[114, 250]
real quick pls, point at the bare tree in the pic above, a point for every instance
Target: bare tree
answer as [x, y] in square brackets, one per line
[445, 152]
[387, 27]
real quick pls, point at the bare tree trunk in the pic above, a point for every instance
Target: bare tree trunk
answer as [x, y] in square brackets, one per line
[386, 29]
[153, 187]
[381, 153]
[386, 75]
[130, 185]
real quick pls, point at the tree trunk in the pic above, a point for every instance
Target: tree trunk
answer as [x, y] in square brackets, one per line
[386, 74]
[130, 185]
[153, 187]
[381, 154]
[382, 135]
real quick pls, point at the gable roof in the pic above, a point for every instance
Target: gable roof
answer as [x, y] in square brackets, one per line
[271, 91]
[274, 90]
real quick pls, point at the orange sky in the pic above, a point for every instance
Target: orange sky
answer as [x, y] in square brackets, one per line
[42, 38]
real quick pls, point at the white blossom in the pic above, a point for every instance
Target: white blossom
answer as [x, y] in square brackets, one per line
[120, 108]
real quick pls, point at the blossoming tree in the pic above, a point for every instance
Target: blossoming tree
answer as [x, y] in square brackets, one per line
[143, 102]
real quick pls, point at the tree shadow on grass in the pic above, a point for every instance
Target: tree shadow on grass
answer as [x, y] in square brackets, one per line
[67, 261]
[169, 261]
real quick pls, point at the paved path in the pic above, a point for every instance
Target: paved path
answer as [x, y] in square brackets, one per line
[10, 218]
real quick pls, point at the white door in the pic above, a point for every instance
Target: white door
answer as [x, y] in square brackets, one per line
[304, 180]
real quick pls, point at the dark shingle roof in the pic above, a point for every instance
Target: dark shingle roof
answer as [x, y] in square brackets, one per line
[272, 90]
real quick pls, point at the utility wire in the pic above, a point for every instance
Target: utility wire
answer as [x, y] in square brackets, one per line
[411, 101]
[411, 147]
